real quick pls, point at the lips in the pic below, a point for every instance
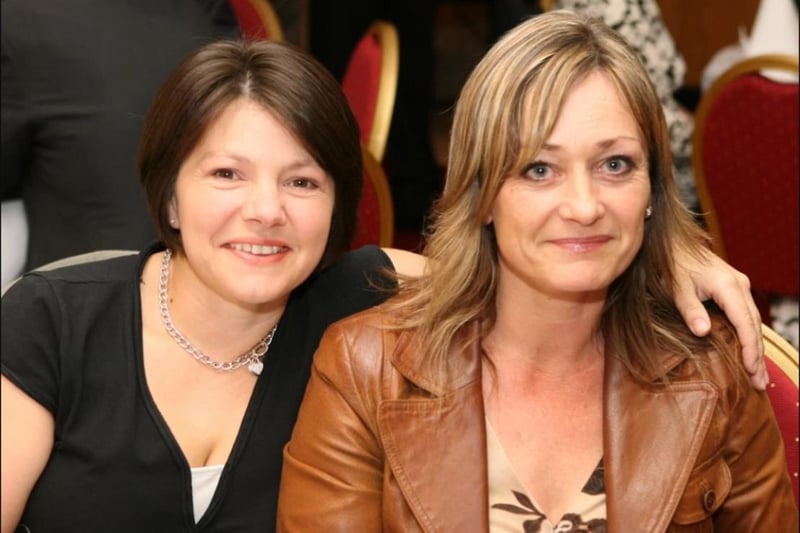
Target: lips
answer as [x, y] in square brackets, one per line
[582, 244]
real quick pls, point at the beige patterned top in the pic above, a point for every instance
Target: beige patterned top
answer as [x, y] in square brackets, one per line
[512, 510]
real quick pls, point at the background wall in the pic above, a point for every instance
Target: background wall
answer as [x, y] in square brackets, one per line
[700, 29]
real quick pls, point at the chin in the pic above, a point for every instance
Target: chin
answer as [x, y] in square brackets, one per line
[581, 288]
[263, 293]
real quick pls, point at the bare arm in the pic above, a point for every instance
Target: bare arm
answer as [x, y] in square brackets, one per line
[711, 277]
[26, 441]
[406, 263]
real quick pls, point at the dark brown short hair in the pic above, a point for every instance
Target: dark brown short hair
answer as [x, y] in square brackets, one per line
[289, 83]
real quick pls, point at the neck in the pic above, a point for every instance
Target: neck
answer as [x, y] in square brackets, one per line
[220, 328]
[545, 335]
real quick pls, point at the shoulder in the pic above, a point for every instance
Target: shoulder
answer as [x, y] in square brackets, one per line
[359, 346]
[102, 273]
[57, 323]
[361, 332]
[719, 366]
[371, 348]
[356, 280]
[369, 323]
[92, 267]
[366, 258]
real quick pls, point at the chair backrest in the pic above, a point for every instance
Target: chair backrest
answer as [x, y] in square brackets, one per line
[370, 84]
[783, 395]
[375, 211]
[745, 156]
[257, 19]
[88, 257]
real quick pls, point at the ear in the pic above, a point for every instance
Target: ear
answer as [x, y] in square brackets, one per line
[173, 214]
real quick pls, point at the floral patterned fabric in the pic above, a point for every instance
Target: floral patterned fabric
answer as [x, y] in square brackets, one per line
[640, 23]
[512, 510]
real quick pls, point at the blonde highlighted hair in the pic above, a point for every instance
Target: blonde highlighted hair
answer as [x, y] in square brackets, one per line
[505, 112]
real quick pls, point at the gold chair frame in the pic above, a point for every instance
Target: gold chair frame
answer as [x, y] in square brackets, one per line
[269, 19]
[386, 35]
[781, 352]
[374, 172]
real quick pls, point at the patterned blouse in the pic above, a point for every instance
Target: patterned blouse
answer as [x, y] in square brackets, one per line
[512, 510]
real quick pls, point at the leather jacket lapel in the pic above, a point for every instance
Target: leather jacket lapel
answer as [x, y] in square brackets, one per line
[435, 445]
[652, 439]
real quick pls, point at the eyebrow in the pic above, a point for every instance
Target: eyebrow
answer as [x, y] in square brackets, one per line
[306, 161]
[607, 143]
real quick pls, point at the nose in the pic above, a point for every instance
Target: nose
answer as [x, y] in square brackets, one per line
[264, 203]
[580, 201]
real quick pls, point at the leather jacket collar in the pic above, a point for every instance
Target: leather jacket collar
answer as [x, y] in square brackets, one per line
[651, 442]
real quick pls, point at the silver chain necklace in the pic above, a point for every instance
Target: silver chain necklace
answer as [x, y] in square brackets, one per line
[253, 357]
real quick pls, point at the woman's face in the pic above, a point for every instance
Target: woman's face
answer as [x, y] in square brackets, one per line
[253, 208]
[574, 220]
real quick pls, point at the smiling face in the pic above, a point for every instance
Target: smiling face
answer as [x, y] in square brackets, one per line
[253, 208]
[573, 221]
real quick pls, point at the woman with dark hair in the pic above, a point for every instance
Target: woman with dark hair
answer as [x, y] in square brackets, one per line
[156, 392]
[538, 376]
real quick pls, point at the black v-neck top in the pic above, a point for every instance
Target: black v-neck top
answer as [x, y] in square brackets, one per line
[72, 340]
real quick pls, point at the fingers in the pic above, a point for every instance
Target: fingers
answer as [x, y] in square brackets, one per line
[730, 289]
[760, 378]
[733, 296]
[690, 306]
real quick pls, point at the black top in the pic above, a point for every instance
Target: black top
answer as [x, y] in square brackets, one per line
[71, 339]
[77, 79]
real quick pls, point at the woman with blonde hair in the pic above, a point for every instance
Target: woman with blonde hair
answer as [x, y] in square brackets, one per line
[539, 377]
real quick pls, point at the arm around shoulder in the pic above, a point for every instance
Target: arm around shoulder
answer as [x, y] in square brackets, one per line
[333, 468]
[406, 263]
[707, 276]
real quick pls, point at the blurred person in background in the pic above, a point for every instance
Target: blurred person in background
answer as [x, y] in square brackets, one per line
[77, 79]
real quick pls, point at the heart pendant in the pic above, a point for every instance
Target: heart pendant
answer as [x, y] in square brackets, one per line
[256, 367]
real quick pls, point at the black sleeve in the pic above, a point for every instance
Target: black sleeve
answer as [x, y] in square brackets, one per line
[15, 129]
[360, 277]
[31, 327]
[353, 283]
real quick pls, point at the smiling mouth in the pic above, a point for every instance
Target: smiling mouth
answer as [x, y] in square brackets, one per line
[257, 249]
[581, 244]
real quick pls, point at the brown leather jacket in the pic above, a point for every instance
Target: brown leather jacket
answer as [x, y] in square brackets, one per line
[379, 447]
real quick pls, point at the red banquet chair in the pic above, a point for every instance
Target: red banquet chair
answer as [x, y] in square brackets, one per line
[370, 84]
[257, 19]
[745, 156]
[375, 211]
[782, 365]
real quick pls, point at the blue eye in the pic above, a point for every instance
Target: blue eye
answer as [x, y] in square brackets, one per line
[619, 164]
[537, 171]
